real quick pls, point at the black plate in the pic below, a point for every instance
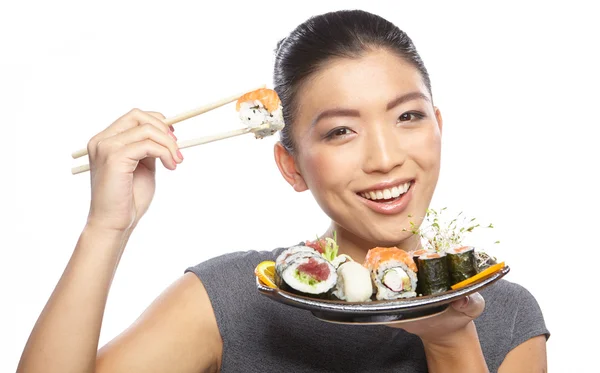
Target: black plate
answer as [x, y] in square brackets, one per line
[379, 312]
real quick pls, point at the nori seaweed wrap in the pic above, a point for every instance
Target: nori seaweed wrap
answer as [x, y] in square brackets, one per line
[461, 263]
[433, 274]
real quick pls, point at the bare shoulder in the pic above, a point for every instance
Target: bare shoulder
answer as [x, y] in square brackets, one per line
[529, 356]
[177, 332]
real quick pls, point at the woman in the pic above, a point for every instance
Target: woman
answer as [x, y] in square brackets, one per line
[359, 117]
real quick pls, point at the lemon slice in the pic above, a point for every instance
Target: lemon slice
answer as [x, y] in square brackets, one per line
[265, 271]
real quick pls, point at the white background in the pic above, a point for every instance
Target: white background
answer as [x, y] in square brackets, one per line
[516, 83]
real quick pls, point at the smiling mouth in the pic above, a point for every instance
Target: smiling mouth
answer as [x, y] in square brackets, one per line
[387, 195]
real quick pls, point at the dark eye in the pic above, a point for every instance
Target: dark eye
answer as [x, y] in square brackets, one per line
[338, 132]
[407, 117]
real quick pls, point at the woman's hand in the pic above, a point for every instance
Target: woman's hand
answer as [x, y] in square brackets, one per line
[450, 338]
[123, 165]
[448, 327]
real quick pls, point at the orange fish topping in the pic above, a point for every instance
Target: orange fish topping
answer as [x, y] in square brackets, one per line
[377, 255]
[268, 97]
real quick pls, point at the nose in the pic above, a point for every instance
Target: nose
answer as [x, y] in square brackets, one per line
[383, 150]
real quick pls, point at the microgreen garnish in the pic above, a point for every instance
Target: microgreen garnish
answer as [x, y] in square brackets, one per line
[437, 235]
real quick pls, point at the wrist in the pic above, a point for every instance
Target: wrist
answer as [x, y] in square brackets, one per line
[459, 351]
[99, 235]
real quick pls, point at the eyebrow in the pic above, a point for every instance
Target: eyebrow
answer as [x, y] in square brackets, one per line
[339, 112]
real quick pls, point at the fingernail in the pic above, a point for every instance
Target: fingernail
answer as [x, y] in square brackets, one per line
[465, 302]
[172, 135]
[179, 154]
[172, 129]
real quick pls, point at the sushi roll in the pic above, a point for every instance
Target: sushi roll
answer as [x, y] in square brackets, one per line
[393, 272]
[484, 260]
[354, 282]
[305, 271]
[261, 111]
[461, 263]
[293, 250]
[433, 275]
[415, 255]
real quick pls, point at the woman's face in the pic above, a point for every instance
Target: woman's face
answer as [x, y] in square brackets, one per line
[368, 145]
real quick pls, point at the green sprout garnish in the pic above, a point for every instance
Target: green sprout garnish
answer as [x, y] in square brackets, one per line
[331, 247]
[440, 237]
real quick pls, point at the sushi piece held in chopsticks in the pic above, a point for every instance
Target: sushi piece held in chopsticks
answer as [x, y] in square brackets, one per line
[393, 272]
[261, 111]
[354, 282]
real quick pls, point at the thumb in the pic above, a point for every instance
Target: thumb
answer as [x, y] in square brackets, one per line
[471, 306]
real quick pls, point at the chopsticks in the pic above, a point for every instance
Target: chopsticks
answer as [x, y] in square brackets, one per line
[181, 117]
[186, 115]
[185, 144]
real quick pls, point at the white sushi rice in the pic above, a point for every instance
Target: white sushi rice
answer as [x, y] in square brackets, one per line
[255, 116]
[354, 282]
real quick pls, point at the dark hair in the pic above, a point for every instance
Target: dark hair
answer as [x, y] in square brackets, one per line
[341, 34]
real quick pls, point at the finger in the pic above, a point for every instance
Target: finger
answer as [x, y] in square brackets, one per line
[471, 306]
[133, 118]
[161, 117]
[131, 154]
[137, 134]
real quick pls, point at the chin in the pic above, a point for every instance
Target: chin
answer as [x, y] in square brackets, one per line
[389, 237]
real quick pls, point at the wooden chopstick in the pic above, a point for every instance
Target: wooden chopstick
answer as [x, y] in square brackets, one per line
[185, 144]
[187, 115]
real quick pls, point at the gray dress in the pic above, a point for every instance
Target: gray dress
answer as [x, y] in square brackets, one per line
[260, 335]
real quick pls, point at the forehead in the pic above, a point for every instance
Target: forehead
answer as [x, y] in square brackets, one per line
[370, 81]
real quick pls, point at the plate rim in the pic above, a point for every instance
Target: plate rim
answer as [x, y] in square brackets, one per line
[379, 306]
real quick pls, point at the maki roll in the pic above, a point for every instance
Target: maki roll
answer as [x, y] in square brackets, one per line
[393, 272]
[354, 282]
[261, 110]
[303, 270]
[461, 263]
[417, 253]
[484, 261]
[433, 275]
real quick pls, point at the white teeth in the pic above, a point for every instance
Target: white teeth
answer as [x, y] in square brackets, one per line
[386, 193]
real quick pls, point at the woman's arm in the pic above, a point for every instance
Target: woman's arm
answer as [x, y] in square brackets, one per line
[528, 357]
[459, 353]
[178, 332]
[450, 339]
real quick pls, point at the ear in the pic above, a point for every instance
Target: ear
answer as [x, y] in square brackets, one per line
[288, 168]
[438, 116]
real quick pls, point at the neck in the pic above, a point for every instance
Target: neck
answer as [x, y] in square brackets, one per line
[357, 247]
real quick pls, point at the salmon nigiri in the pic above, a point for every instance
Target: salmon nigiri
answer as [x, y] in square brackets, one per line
[266, 96]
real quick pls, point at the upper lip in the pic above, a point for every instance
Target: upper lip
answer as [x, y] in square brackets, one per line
[386, 185]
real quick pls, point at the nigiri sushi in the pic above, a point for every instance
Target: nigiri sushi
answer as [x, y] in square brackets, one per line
[261, 110]
[354, 282]
[393, 272]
